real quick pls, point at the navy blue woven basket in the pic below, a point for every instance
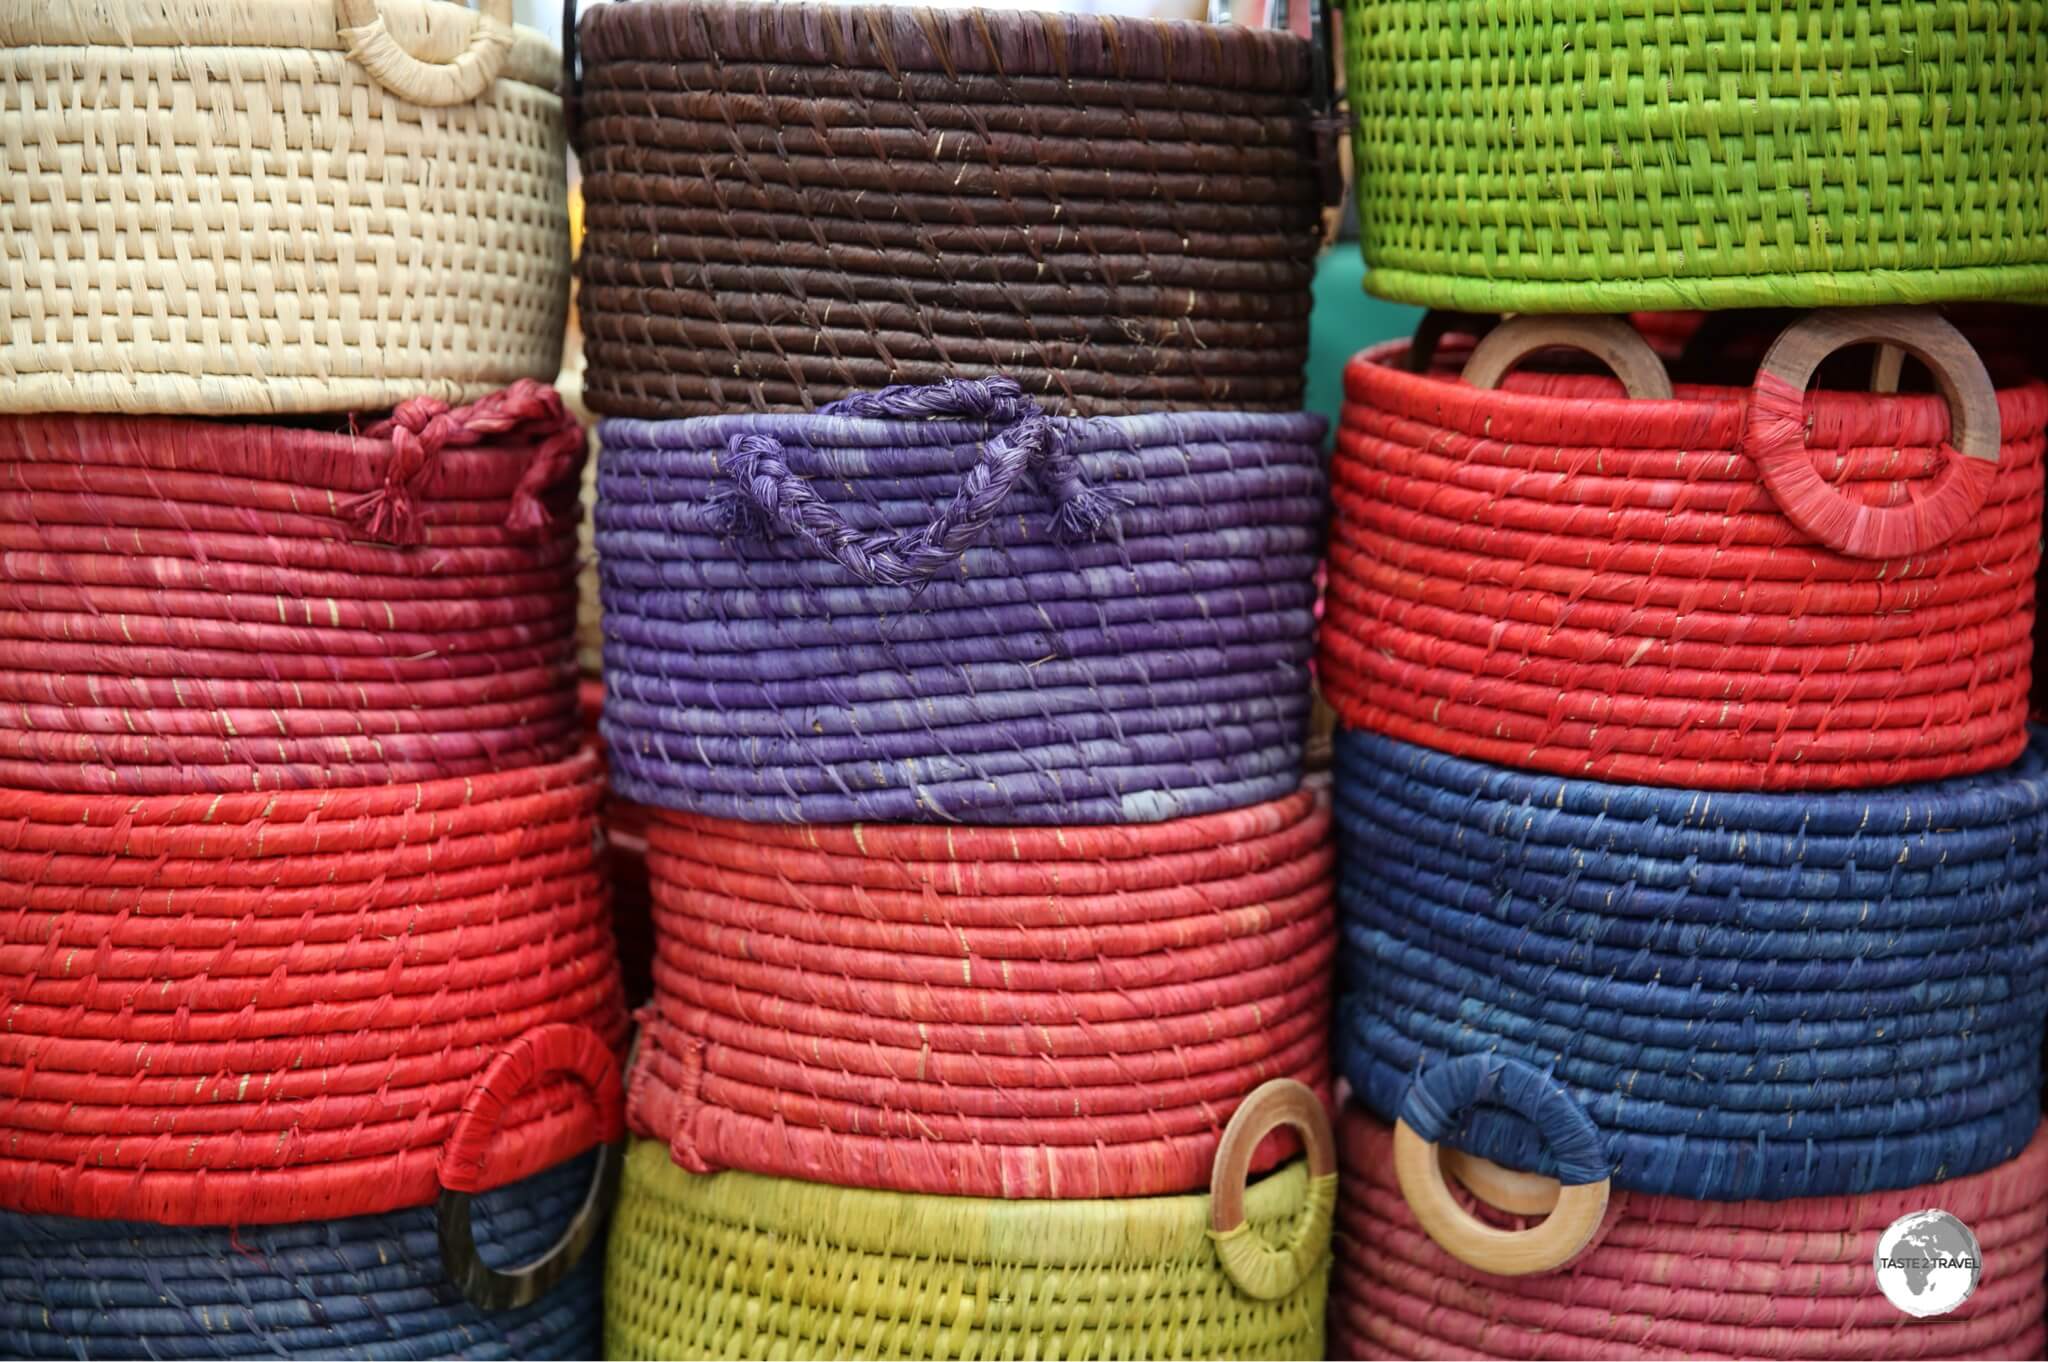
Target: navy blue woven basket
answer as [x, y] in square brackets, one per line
[367, 1287]
[1752, 996]
[938, 604]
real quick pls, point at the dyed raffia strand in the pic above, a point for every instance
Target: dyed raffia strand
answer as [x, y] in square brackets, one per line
[261, 1008]
[1752, 996]
[1554, 578]
[196, 607]
[1674, 1278]
[437, 263]
[364, 1287]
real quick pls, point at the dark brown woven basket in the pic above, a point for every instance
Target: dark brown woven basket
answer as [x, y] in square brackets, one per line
[789, 202]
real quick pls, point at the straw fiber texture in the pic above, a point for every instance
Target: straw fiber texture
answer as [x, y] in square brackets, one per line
[213, 208]
[368, 1287]
[738, 1265]
[1676, 1279]
[790, 202]
[987, 616]
[1030, 1012]
[1558, 578]
[1587, 157]
[1753, 996]
[189, 607]
[266, 1008]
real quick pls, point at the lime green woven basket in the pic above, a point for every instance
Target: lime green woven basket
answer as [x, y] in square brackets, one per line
[739, 1265]
[1599, 156]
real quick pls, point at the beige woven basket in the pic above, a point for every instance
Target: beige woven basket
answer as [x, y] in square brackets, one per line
[234, 207]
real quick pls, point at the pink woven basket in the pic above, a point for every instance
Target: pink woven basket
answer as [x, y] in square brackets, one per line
[282, 1007]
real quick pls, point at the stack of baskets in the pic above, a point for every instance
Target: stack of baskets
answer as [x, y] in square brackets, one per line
[957, 543]
[302, 928]
[1693, 842]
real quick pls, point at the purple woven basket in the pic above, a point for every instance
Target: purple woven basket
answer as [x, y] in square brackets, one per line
[940, 604]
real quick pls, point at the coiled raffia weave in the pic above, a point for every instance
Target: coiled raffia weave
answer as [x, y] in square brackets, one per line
[1019, 1012]
[1578, 157]
[273, 228]
[365, 1287]
[737, 1264]
[790, 202]
[1672, 1278]
[1753, 996]
[939, 604]
[1557, 578]
[192, 607]
[253, 1008]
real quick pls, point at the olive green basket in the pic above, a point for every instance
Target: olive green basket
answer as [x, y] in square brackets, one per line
[738, 1265]
[1583, 156]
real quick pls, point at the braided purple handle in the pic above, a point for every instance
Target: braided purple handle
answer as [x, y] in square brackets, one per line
[767, 495]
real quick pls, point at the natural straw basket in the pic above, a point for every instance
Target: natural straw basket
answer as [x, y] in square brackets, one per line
[789, 202]
[293, 206]
[197, 606]
[1019, 1012]
[370, 1287]
[1749, 995]
[1689, 591]
[938, 603]
[1678, 1279]
[736, 1264]
[260, 1008]
[1583, 157]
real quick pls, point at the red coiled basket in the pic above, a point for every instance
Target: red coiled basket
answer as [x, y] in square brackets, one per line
[199, 606]
[256, 1008]
[1012, 1012]
[1725, 588]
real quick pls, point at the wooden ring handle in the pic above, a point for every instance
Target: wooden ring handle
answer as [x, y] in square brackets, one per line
[1274, 1103]
[1610, 340]
[1438, 323]
[1571, 1225]
[436, 85]
[1504, 1189]
[1774, 436]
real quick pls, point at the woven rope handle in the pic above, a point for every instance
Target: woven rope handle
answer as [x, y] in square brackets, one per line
[1435, 1102]
[1610, 340]
[766, 493]
[1774, 437]
[1261, 1269]
[434, 85]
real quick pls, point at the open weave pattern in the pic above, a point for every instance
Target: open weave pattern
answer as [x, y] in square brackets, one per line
[189, 606]
[1560, 579]
[365, 1287]
[1671, 1278]
[738, 1265]
[1578, 157]
[1029, 1012]
[1751, 995]
[263, 1008]
[754, 669]
[788, 202]
[268, 229]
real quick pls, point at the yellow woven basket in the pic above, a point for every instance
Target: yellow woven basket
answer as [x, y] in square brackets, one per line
[738, 1265]
[290, 206]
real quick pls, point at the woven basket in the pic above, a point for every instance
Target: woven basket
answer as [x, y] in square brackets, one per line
[1751, 996]
[265, 1008]
[367, 1287]
[738, 1265]
[1030, 1012]
[1689, 592]
[192, 607]
[1680, 1279]
[1576, 157]
[337, 207]
[790, 202]
[985, 616]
